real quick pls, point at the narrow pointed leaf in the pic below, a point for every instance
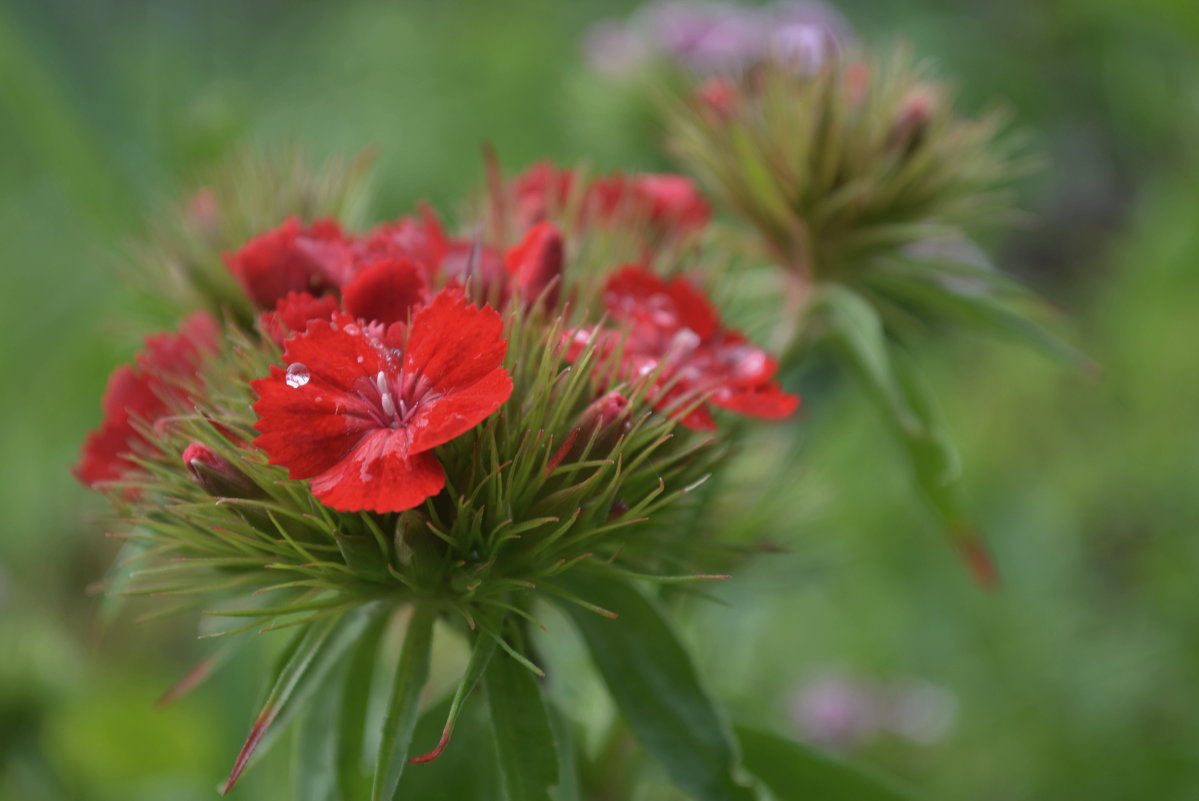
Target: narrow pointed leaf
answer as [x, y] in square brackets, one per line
[302, 669]
[412, 673]
[314, 759]
[852, 325]
[353, 780]
[796, 772]
[480, 656]
[524, 743]
[466, 770]
[654, 684]
[1004, 309]
[568, 769]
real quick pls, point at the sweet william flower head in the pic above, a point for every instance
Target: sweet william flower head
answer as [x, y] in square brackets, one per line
[359, 409]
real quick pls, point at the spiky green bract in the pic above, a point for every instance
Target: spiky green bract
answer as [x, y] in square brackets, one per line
[837, 166]
[181, 260]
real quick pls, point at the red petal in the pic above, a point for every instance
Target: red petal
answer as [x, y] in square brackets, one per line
[452, 346]
[422, 241]
[673, 200]
[440, 420]
[293, 313]
[291, 258]
[385, 291]
[768, 401]
[635, 294]
[339, 353]
[377, 476]
[310, 428]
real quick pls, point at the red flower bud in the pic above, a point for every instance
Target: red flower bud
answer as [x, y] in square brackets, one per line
[216, 475]
[535, 265]
[601, 424]
[717, 97]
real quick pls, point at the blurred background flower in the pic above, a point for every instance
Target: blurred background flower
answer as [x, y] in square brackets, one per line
[1075, 680]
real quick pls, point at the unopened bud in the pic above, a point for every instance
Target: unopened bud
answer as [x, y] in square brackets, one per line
[911, 121]
[216, 475]
[601, 425]
[718, 98]
[535, 264]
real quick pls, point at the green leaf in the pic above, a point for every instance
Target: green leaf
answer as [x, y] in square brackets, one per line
[301, 670]
[982, 299]
[852, 325]
[568, 768]
[314, 774]
[796, 772]
[411, 674]
[524, 743]
[353, 780]
[655, 686]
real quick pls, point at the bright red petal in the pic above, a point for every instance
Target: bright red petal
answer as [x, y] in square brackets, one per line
[385, 291]
[377, 476]
[440, 420]
[309, 428]
[339, 353]
[452, 346]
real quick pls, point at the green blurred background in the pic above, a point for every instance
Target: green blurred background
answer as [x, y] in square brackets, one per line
[1079, 679]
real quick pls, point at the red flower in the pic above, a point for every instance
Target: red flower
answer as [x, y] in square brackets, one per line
[359, 414]
[668, 203]
[144, 394]
[422, 241]
[540, 191]
[292, 258]
[671, 328]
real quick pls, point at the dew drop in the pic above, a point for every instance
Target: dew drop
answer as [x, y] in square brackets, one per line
[297, 375]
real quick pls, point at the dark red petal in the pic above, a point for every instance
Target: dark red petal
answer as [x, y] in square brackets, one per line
[293, 313]
[422, 241]
[291, 258]
[377, 476]
[386, 291]
[452, 346]
[103, 456]
[441, 419]
[178, 354]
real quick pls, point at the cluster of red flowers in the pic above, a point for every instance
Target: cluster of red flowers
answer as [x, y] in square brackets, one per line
[386, 358]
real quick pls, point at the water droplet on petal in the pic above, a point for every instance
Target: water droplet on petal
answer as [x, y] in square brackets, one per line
[297, 375]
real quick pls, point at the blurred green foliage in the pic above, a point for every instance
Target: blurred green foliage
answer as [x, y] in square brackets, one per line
[1076, 680]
